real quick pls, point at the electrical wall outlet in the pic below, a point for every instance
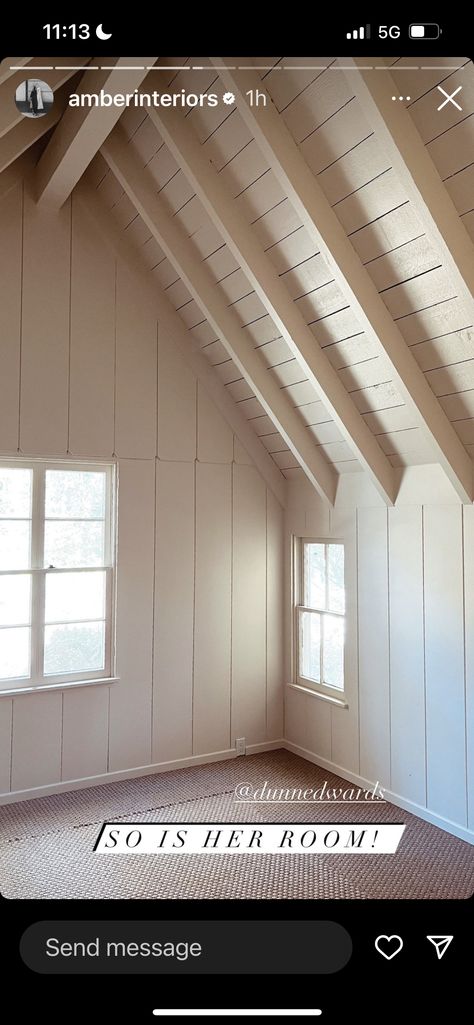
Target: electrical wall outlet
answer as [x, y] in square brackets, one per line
[240, 745]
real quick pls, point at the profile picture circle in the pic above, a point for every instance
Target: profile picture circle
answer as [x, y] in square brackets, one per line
[34, 98]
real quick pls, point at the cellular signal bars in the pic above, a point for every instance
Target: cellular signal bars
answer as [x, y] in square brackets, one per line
[359, 33]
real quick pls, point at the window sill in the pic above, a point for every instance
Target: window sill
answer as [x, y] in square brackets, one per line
[339, 702]
[15, 692]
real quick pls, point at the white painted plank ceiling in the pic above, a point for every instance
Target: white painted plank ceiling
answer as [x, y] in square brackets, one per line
[318, 107]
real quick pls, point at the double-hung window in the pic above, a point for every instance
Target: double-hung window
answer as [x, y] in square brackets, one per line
[320, 616]
[56, 573]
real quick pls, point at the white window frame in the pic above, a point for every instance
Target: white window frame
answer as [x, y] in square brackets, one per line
[37, 680]
[333, 694]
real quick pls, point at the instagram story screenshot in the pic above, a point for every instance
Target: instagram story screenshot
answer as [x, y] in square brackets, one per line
[237, 520]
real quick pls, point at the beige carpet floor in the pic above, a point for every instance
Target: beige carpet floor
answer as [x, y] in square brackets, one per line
[46, 845]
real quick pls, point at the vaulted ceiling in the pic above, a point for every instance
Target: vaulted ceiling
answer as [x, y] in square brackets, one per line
[318, 248]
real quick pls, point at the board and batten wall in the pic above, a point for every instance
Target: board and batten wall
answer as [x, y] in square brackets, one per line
[409, 667]
[86, 373]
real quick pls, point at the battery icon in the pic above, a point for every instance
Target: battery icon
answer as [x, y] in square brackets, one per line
[427, 31]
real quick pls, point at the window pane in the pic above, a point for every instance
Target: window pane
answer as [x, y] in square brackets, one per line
[14, 544]
[75, 494]
[310, 645]
[73, 596]
[336, 595]
[333, 652]
[77, 648]
[14, 653]
[15, 492]
[15, 601]
[73, 544]
[314, 576]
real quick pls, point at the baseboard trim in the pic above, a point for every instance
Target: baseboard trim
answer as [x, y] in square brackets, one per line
[140, 770]
[324, 763]
[401, 802]
[266, 745]
[219, 756]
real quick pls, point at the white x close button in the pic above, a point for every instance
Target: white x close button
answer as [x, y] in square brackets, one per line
[449, 97]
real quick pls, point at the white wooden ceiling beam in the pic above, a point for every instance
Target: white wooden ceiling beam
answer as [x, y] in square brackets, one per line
[319, 219]
[16, 172]
[82, 130]
[5, 68]
[25, 134]
[414, 167]
[171, 322]
[140, 190]
[263, 277]
[9, 113]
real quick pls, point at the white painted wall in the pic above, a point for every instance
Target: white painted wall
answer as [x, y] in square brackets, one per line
[200, 547]
[409, 647]
[201, 559]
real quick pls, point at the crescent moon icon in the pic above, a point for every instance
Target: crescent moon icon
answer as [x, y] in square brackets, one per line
[101, 34]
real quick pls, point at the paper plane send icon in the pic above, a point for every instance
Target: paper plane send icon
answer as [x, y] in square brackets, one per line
[440, 943]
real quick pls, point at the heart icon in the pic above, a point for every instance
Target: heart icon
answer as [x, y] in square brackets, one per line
[389, 946]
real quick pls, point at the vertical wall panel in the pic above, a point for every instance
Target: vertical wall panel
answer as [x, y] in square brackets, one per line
[248, 605]
[468, 512]
[295, 716]
[407, 685]
[240, 454]
[85, 731]
[444, 652]
[318, 727]
[89, 388]
[176, 403]
[275, 611]
[215, 438]
[212, 630]
[91, 392]
[345, 721]
[136, 359]
[6, 708]
[36, 753]
[130, 699]
[373, 646]
[45, 331]
[10, 316]
[174, 601]
[408, 626]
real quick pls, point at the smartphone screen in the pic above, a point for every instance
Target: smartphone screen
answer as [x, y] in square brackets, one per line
[236, 522]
